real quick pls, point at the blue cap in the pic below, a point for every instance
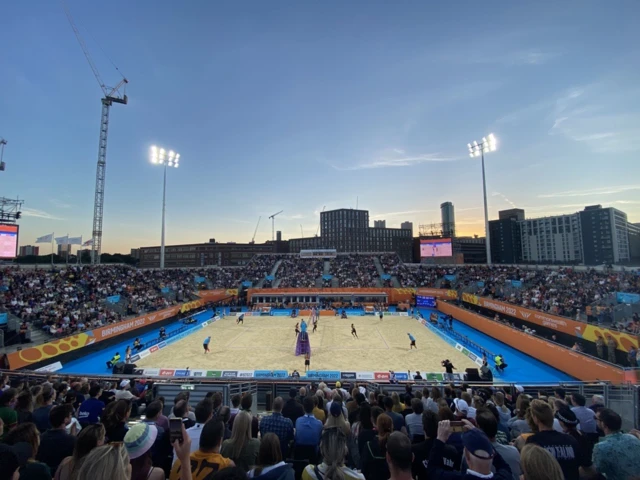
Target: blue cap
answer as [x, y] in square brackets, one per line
[478, 444]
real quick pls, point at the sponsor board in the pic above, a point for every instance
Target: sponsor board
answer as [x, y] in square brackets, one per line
[155, 348]
[144, 353]
[181, 373]
[402, 376]
[162, 344]
[348, 375]
[54, 367]
[229, 374]
[204, 324]
[198, 373]
[323, 374]
[167, 372]
[364, 375]
[135, 358]
[214, 373]
[152, 372]
[381, 375]
[271, 374]
[245, 373]
[404, 314]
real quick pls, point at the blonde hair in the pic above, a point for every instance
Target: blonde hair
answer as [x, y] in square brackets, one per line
[395, 398]
[338, 422]
[241, 433]
[538, 464]
[109, 462]
[333, 447]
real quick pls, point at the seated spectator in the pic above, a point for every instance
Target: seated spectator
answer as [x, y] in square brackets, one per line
[56, 444]
[115, 418]
[538, 464]
[279, 425]
[91, 410]
[585, 416]
[337, 419]
[308, 427]
[569, 425]
[7, 414]
[617, 456]
[270, 465]
[241, 447]
[207, 459]
[139, 441]
[28, 433]
[107, 462]
[245, 404]
[399, 457]
[24, 407]
[292, 409]
[44, 404]
[422, 450]
[398, 419]
[89, 438]
[414, 421]
[564, 447]
[373, 457]
[204, 413]
[181, 410]
[318, 410]
[333, 448]
[518, 424]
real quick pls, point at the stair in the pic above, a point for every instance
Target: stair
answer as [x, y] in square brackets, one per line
[327, 268]
[376, 262]
[319, 282]
[275, 268]
[395, 282]
[335, 283]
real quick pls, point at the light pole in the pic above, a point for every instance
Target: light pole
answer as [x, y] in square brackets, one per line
[476, 149]
[167, 159]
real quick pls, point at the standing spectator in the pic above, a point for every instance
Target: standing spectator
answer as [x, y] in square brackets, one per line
[139, 441]
[612, 345]
[308, 427]
[207, 459]
[292, 409]
[538, 464]
[398, 420]
[44, 403]
[337, 419]
[617, 456]
[564, 447]
[373, 458]
[91, 410]
[422, 450]
[414, 421]
[270, 465]
[245, 404]
[399, 457]
[24, 407]
[600, 347]
[363, 430]
[569, 424]
[585, 416]
[430, 398]
[181, 411]
[204, 413]
[89, 438]
[318, 410]
[32, 469]
[333, 448]
[56, 444]
[241, 447]
[7, 413]
[279, 425]
[115, 420]
[518, 424]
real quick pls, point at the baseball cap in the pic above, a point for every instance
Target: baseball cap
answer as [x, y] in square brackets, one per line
[461, 405]
[139, 439]
[336, 409]
[566, 416]
[477, 444]
[124, 383]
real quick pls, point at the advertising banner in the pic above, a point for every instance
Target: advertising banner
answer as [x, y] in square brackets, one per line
[54, 367]
[271, 374]
[348, 375]
[381, 375]
[323, 374]
[401, 376]
[516, 283]
[198, 373]
[216, 295]
[113, 299]
[214, 373]
[152, 372]
[181, 373]
[167, 372]
[437, 292]
[622, 297]
[364, 375]
[229, 373]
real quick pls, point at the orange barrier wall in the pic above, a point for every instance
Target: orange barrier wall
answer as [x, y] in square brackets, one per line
[579, 366]
[562, 324]
[217, 295]
[28, 356]
[394, 295]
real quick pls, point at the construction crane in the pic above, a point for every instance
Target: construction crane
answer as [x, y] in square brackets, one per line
[318, 229]
[253, 240]
[273, 225]
[111, 96]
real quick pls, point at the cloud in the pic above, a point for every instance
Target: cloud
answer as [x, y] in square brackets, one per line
[395, 159]
[297, 216]
[498, 194]
[32, 212]
[59, 203]
[591, 192]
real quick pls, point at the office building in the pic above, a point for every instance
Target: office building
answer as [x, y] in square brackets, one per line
[407, 226]
[380, 224]
[204, 254]
[634, 242]
[506, 242]
[472, 249]
[515, 213]
[556, 239]
[448, 219]
[26, 250]
[605, 235]
[64, 250]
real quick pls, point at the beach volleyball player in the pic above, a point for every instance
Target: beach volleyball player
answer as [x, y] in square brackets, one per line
[205, 344]
[413, 341]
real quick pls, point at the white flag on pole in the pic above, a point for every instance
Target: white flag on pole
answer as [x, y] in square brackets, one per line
[45, 239]
[62, 240]
[74, 240]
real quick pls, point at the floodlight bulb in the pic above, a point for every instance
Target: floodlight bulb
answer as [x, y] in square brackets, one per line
[154, 159]
[469, 145]
[176, 165]
[177, 156]
[484, 139]
[154, 148]
[170, 163]
[171, 154]
[471, 155]
[475, 144]
[162, 151]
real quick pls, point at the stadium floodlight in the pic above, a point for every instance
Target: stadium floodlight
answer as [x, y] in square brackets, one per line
[166, 159]
[488, 144]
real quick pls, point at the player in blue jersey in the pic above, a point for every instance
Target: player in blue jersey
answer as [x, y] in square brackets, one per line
[205, 344]
[413, 341]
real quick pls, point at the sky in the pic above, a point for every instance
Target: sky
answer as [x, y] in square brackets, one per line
[300, 106]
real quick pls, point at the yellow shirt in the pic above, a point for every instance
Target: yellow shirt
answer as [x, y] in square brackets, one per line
[202, 465]
[319, 414]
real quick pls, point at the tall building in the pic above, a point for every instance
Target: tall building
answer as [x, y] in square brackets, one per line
[473, 249]
[516, 213]
[448, 219]
[506, 242]
[605, 235]
[555, 239]
[380, 224]
[64, 250]
[407, 226]
[634, 242]
[26, 250]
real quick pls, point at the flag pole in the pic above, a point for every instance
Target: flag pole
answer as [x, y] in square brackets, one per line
[67, 248]
[52, 237]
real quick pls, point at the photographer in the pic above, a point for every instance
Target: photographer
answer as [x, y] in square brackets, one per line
[449, 368]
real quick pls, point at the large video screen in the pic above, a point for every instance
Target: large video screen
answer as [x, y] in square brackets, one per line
[422, 301]
[8, 241]
[436, 247]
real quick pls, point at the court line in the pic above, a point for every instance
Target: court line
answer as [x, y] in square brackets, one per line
[385, 342]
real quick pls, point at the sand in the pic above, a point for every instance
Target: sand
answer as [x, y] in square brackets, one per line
[268, 343]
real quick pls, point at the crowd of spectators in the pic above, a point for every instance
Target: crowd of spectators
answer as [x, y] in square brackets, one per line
[75, 429]
[355, 270]
[296, 272]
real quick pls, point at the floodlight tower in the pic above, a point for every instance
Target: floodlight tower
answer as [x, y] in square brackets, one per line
[171, 159]
[488, 144]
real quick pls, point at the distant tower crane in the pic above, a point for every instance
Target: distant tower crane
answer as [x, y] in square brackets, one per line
[111, 96]
[273, 225]
[253, 240]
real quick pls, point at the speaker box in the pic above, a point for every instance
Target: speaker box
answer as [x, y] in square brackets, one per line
[472, 375]
[118, 368]
[128, 368]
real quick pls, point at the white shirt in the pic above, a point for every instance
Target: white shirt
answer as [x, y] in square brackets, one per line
[124, 394]
[265, 469]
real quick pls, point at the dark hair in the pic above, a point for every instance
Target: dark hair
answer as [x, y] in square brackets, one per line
[180, 409]
[58, 414]
[399, 450]
[115, 413]
[384, 425]
[140, 466]
[308, 403]
[247, 401]
[360, 398]
[212, 434]
[217, 399]
[153, 409]
[95, 390]
[388, 403]
[224, 414]
[430, 423]
[9, 462]
[230, 473]
[204, 410]
[25, 432]
[88, 439]
[417, 406]
[610, 419]
[7, 397]
[445, 413]
[269, 453]
[560, 392]
[487, 422]
[375, 413]
[578, 399]
[235, 400]
[45, 395]
[365, 416]
[184, 395]
[25, 401]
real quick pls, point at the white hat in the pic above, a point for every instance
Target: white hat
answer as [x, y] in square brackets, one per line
[124, 383]
[519, 388]
[461, 405]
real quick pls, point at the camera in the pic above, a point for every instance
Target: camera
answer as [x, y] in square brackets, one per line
[444, 363]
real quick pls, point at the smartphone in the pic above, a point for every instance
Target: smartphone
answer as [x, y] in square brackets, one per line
[175, 427]
[456, 426]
